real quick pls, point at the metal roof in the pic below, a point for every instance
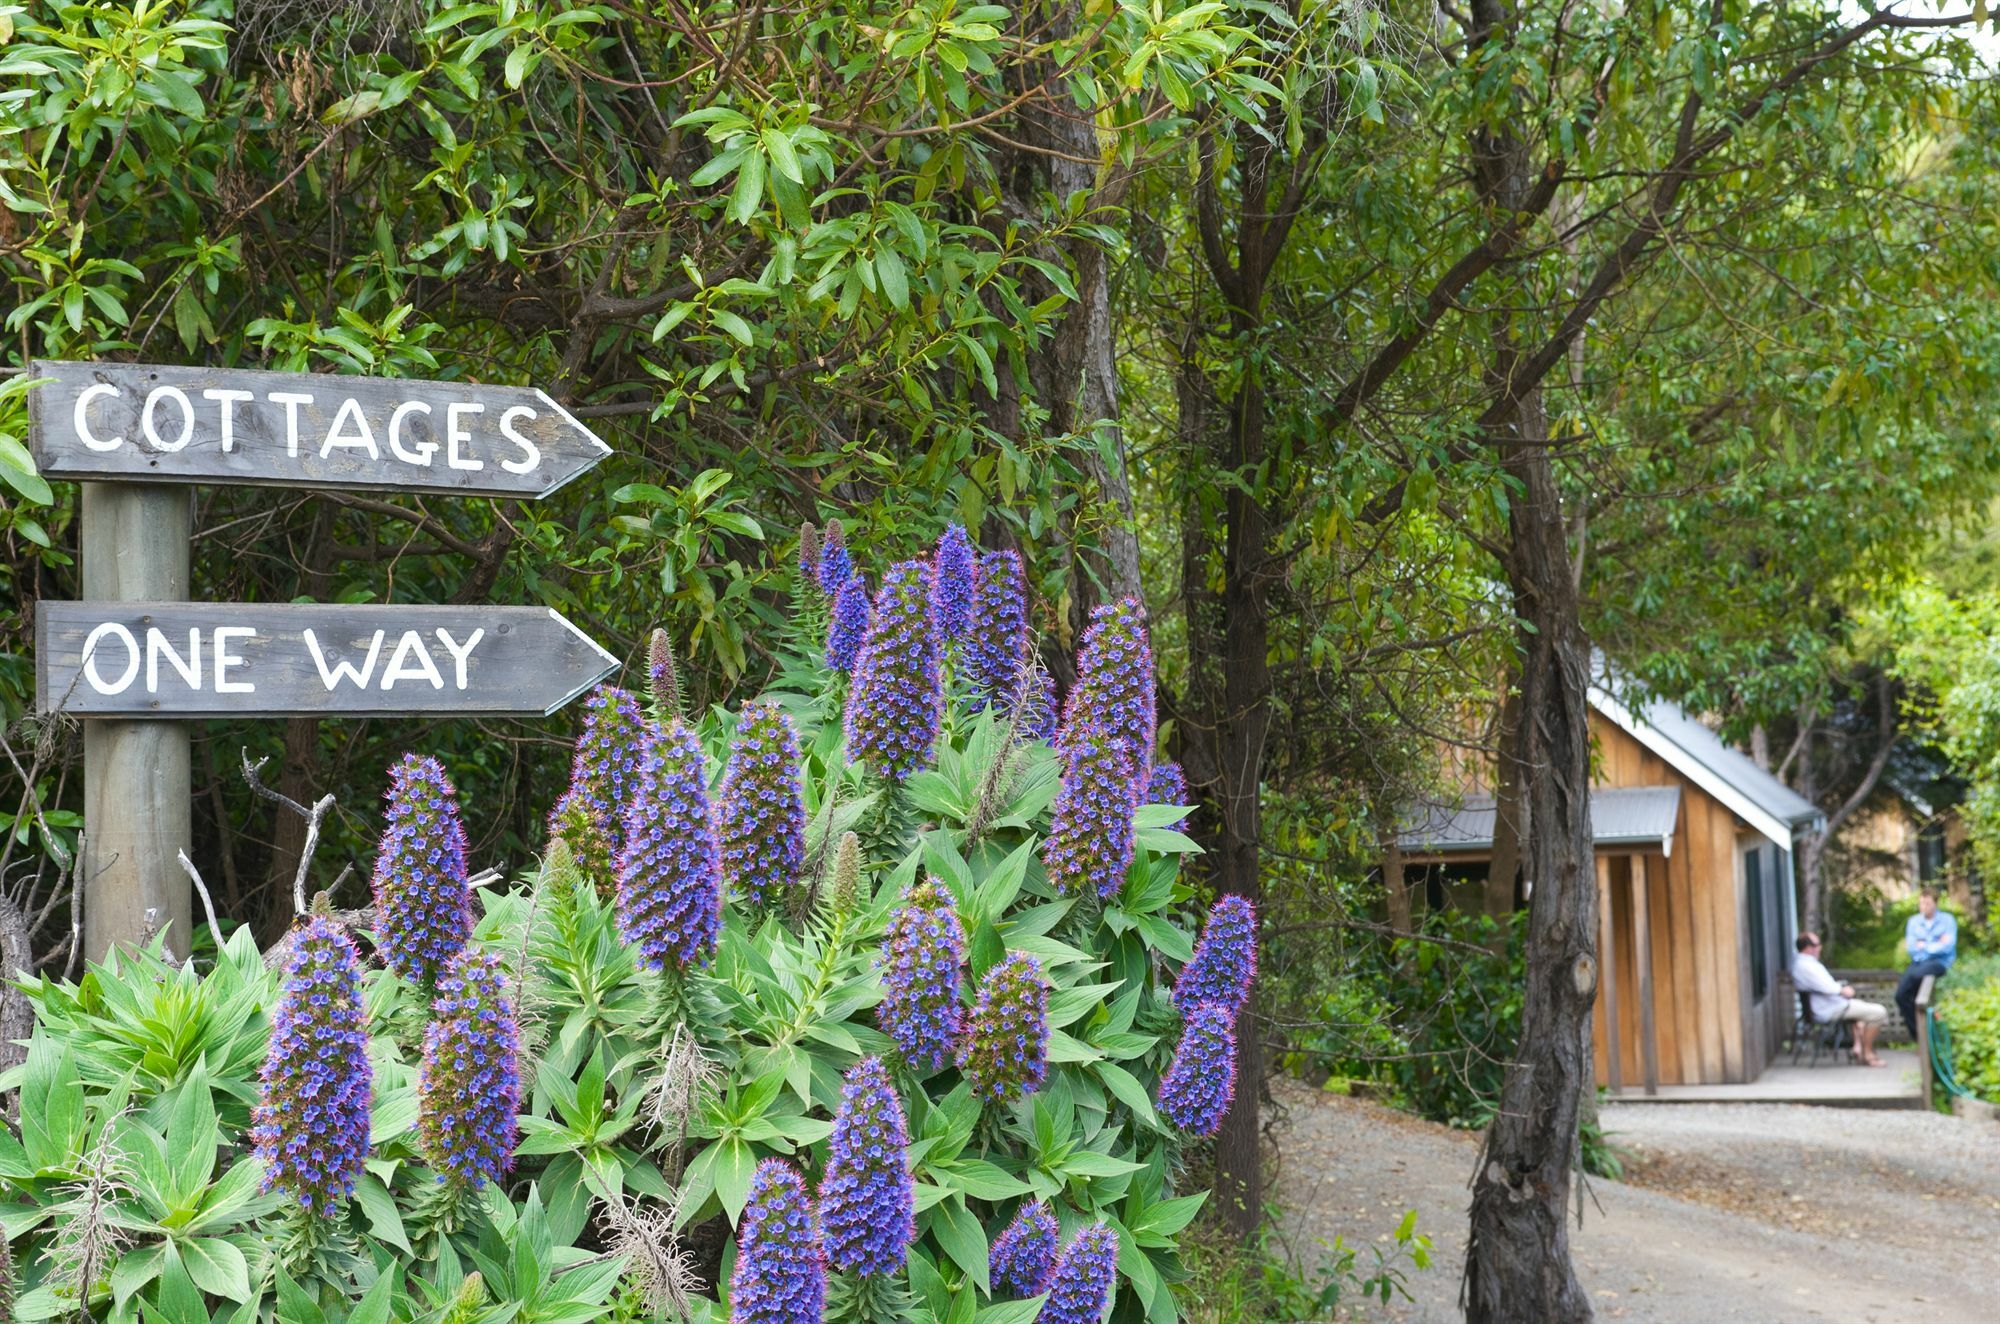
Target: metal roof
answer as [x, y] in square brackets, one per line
[1698, 754]
[1619, 816]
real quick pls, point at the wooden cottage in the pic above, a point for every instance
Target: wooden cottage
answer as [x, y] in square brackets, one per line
[1696, 902]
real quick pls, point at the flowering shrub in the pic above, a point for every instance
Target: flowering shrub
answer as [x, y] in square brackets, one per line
[875, 1078]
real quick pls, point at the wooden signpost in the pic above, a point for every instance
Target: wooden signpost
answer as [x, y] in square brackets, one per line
[137, 662]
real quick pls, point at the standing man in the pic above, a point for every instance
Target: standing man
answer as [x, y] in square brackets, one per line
[1932, 937]
[1835, 1001]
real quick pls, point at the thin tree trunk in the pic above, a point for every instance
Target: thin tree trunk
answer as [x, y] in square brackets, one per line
[1812, 850]
[1517, 1267]
[1395, 889]
[299, 772]
[1510, 815]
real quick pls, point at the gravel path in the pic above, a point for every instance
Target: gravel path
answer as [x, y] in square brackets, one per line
[1729, 1211]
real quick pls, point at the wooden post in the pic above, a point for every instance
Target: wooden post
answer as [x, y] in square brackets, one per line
[1924, 1036]
[135, 772]
[1642, 947]
[1607, 977]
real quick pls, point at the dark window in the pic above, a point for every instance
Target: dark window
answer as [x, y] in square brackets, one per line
[1760, 950]
[1930, 851]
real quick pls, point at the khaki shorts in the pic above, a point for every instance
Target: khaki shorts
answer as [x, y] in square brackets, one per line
[1867, 1013]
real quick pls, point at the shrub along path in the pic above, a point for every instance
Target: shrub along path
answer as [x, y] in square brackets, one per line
[1731, 1212]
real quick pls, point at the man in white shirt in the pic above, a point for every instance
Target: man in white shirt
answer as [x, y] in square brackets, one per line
[1835, 1001]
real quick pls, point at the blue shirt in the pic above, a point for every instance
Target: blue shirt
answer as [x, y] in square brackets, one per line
[1933, 939]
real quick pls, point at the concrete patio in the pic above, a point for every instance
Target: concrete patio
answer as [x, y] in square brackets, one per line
[1833, 1084]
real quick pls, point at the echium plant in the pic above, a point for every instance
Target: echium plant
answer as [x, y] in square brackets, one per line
[1224, 964]
[1005, 1054]
[602, 776]
[1081, 1285]
[470, 1086]
[836, 564]
[670, 877]
[1089, 845]
[1168, 785]
[921, 956]
[953, 568]
[896, 705]
[310, 1125]
[780, 1275]
[1114, 681]
[760, 816]
[1195, 1092]
[867, 1196]
[996, 652]
[847, 628]
[423, 901]
[1023, 1258]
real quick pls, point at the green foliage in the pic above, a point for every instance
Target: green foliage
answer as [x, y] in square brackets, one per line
[1233, 1284]
[132, 1189]
[1971, 1011]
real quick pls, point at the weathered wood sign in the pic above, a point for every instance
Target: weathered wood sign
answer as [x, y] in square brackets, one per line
[203, 659]
[133, 422]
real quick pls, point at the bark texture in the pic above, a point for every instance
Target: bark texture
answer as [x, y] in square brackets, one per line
[1517, 1266]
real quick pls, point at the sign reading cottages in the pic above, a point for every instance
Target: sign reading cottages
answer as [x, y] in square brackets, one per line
[131, 422]
[203, 659]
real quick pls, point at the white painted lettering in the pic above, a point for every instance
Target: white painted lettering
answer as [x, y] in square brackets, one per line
[189, 666]
[96, 677]
[460, 655]
[342, 668]
[146, 421]
[454, 433]
[363, 439]
[528, 448]
[411, 644]
[425, 449]
[224, 659]
[291, 400]
[228, 400]
[82, 422]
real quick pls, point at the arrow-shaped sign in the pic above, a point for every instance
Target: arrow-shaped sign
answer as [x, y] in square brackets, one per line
[241, 659]
[135, 422]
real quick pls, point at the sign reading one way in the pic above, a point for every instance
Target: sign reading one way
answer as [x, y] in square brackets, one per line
[204, 659]
[133, 422]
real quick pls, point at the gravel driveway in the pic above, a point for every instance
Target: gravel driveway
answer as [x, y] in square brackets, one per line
[1729, 1212]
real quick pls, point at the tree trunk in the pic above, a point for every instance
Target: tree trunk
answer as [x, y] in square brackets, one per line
[1395, 890]
[299, 772]
[1517, 1267]
[1510, 816]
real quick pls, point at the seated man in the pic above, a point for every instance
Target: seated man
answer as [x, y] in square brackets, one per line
[1932, 937]
[1833, 1001]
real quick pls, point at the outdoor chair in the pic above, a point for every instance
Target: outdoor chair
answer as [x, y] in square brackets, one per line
[1825, 1036]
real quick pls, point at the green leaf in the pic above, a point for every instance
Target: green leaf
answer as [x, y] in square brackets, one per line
[963, 1239]
[1125, 1087]
[749, 189]
[373, 1307]
[217, 1267]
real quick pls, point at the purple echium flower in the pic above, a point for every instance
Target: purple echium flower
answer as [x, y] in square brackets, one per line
[1114, 681]
[1023, 1258]
[867, 1197]
[780, 1275]
[1090, 832]
[836, 567]
[760, 819]
[952, 572]
[311, 1126]
[1081, 1286]
[848, 625]
[471, 1084]
[670, 878]
[1038, 709]
[1224, 963]
[998, 645]
[423, 903]
[1168, 786]
[897, 702]
[921, 954]
[1006, 1048]
[1195, 1092]
[602, 775]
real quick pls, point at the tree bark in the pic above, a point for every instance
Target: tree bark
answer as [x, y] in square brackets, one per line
[1812, 850]
[1395, 890]
[1517, 1267]
[1510, 816]
[299, 772]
